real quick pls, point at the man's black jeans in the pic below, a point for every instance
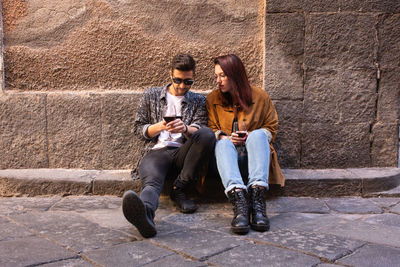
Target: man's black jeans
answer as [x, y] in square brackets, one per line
[186, 161]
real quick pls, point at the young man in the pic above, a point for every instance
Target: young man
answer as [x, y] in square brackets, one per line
[180, 146]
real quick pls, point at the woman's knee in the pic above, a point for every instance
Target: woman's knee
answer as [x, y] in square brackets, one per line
[258, 134]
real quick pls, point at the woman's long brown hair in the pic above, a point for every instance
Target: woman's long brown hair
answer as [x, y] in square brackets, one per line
[241, 90]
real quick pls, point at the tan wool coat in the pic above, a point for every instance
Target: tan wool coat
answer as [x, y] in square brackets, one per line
[261, 114]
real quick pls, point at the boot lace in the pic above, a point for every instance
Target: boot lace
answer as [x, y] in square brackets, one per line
[258, 201]
[241, 203]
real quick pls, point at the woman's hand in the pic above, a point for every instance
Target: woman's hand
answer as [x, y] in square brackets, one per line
[236, 140]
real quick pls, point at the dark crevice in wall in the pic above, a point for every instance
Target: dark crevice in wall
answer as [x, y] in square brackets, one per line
[304, 84]
[46, 132]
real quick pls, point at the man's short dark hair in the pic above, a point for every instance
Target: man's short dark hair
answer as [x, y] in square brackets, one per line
[183, 62]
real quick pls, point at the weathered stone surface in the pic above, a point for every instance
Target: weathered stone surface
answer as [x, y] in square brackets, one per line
[133, 254]
[289, 204]
[373, 255]
[72, 230]
[284, 48]
[115, 182]
[376, 179]
[121, 147]
[24, 204]
[85, 203]
[353, 205]
[175, 260]
[276, 6]
[385, 145]
[126, 44]
[201, 244]
[386, 202]
[389, 95]
[30, 251]
[33, 182]
[335, 145]
[384, 219]
[259, 255]
[389, 6]
[396, 209]
[288, 147]
[289, 219]
[340, 40]
[74, 130]
[353, 229]
[78, 262]
[325, 246]
[339, 96]
[23, 141]
[389, 40]
[10, 231]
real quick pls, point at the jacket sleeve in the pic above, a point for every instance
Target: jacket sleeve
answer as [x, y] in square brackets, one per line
[143, 117]
[270, 121]
[200, 115]
[213, 122]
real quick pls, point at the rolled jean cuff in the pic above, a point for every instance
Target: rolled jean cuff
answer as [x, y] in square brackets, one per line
[259, 183]
[229, 188]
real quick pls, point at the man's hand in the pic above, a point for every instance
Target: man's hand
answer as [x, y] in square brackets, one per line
[175, 126]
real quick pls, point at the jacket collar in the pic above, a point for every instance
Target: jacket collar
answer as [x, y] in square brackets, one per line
[164, 91]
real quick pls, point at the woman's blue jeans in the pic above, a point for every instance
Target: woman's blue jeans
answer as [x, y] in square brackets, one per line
[258, 153]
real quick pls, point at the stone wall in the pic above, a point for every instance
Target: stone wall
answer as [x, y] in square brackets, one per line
[74, 71]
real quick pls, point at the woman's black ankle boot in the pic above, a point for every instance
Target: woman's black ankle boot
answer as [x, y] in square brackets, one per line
[259, 218]
[240, 221]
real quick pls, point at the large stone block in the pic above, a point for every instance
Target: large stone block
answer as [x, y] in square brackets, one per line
[289, 112]
[389, 40]
[74, 130]
[64, 45]
[284, 48]
[389, 6]
[340, 96]
[389, 96]
[385, 145]
[328, 145]
[340, 40]
[23, 142]
[276, 6]
[288, 146]
[121, 147]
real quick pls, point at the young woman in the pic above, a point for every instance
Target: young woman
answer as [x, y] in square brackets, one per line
[250, 107]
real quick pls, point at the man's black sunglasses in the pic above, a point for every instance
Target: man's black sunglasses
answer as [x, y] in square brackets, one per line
[185, 81]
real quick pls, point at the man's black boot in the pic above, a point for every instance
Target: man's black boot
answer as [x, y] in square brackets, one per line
[138, 214]
[178, 195]
[240, 221]
[259, 218]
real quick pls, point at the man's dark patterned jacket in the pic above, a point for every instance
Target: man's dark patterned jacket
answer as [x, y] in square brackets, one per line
[150, 111]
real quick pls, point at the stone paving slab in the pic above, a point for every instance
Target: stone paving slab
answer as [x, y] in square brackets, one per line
[325, 246]
[353, 229]
[200, 243]
[133, 254]
[23, 204]
[384, 219]
[292, 204]
[260, 255]
[396, 209]
[68, 263]
[9, 230]
[71, 230]
[353, 205]
[30, 250]
[373, 255]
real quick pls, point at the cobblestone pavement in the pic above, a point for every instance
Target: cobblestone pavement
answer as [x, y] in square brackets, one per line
[91, 231]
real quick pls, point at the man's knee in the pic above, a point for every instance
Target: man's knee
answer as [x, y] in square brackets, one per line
[205, 136]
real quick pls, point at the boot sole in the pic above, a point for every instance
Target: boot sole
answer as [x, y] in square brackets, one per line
[240, 230]
[135, 212]
[260, 228]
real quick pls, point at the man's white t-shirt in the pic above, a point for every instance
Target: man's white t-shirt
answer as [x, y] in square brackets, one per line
[177, 138]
